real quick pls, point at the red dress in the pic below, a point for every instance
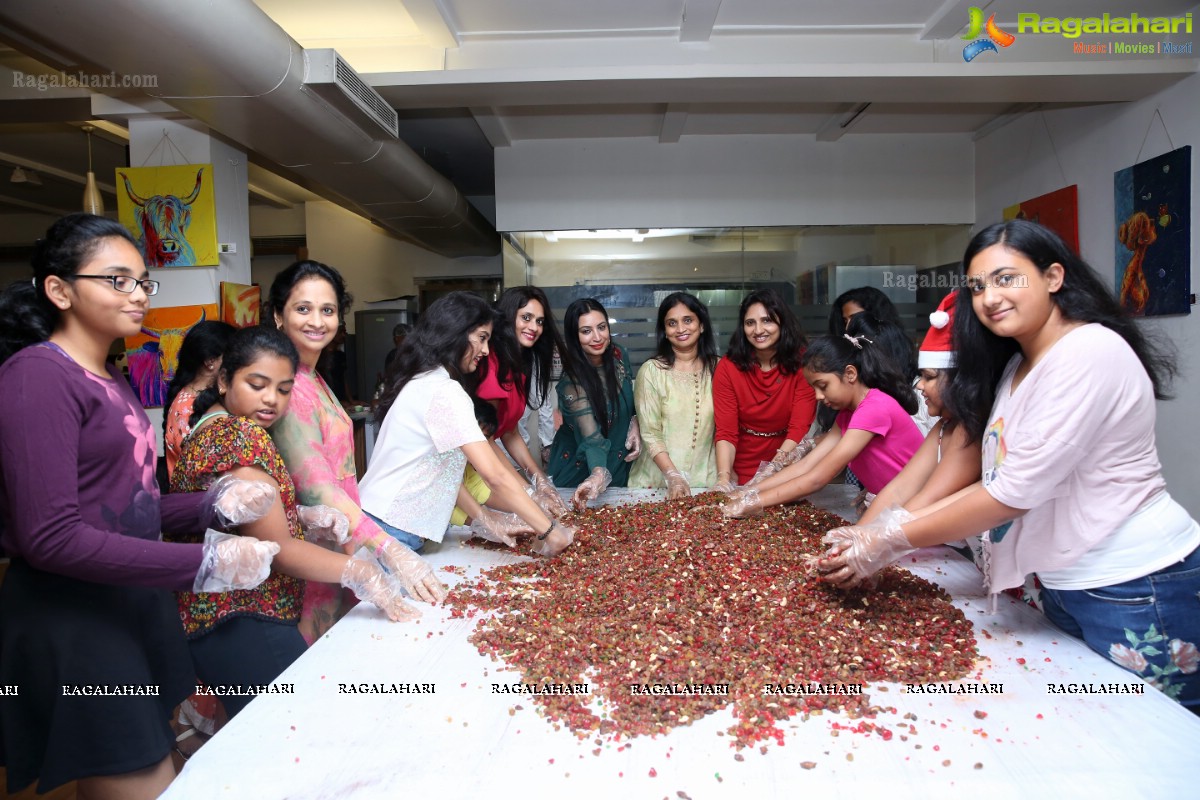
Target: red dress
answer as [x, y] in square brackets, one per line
[749, 404]
[508, 398]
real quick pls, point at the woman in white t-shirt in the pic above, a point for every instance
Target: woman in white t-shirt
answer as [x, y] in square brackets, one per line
[429, 433]
[1060, 386]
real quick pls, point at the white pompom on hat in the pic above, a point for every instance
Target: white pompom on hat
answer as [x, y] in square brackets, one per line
[937, 351]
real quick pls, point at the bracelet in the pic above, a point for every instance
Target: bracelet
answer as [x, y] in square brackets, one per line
[542, 537]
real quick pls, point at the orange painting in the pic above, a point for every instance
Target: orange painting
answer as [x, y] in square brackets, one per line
[240, 304]
[153, 354]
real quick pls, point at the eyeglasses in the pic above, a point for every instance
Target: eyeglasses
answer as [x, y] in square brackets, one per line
[124, 283]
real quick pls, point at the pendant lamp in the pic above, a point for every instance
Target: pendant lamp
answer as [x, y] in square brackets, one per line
[93, 203]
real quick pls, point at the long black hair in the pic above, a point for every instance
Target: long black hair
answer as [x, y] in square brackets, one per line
[890, 339]
[439, 339]
[791, 338]
[26, 315]
[529, 362]
[876, 369]
[285, 282]
[1083, 297]
[245, 346]
[204, 341]
[872, 300]
[602, 395]
[706, 348]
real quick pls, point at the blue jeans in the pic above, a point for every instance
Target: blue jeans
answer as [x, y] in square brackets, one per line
[1149, 625]
[409, 540]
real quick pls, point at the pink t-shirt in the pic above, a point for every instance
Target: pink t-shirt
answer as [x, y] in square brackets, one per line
[895, 441]
[509, 398]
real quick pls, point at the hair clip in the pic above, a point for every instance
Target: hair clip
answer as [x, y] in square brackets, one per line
[857, 340]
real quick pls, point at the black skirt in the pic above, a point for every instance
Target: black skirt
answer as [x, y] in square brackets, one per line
[97, 670]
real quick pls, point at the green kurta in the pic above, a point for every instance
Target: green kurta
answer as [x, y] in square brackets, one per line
[675, 415]
[579, 447]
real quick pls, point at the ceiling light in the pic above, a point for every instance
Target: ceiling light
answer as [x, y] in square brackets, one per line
[93, 203]
[20, 175]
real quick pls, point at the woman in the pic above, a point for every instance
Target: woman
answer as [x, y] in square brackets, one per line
[762, 405]
[199, 360]
[599, 436]
[247, 638]
[429, 432]
[673, 396]
[316, 438]
[1060, 385]
[85, 601]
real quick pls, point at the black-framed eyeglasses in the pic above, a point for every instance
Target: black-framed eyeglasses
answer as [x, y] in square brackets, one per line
[124, 283]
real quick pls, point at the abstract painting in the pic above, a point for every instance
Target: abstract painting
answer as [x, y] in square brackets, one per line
[171, 213]
[153, 354]
[1152, 233]
[240, 304]
[1057, 210]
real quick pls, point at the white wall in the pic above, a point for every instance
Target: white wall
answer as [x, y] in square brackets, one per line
[715, 181]
[1046, 151]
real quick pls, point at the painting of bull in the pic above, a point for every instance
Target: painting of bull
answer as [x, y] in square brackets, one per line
[170, 212]
[153, 354]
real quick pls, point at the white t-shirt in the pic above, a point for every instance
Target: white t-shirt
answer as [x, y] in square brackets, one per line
[417, 466]
[1074, 444]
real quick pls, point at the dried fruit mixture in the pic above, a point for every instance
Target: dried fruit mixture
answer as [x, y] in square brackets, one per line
[672, 594]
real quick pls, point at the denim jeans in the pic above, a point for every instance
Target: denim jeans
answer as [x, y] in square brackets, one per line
[1149, 625]
[409, 540]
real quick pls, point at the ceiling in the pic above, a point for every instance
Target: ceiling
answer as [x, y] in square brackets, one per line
[467, 77]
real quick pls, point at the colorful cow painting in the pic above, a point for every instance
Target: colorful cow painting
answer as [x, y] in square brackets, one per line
[170, 212]
[153, 354]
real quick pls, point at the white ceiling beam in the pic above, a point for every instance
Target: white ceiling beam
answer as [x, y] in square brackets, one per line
[951, 18]
[434, 22]
[492, 125]
[54, 212]
[1010, 114]
[47, 169]
[268, 197]
[672, 123]
[699, 16]
[840, 124]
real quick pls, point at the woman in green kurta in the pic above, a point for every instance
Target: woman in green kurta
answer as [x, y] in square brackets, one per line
[599, 435]
[674, 401]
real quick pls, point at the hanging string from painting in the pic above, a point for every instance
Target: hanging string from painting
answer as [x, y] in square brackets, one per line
[177, 156]
[1157, 113]
[1053, 151]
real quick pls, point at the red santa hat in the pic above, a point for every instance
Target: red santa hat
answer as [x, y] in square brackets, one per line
[937, 351]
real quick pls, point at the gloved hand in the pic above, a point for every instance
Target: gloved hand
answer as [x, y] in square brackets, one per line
[364, 576]
[743, 503]
[559, 538]
[633, 440]
[323, 523]
[765, 470]
[233, 562]
[546, 495]
[677, 485]
[724, 484]
[859, 551]
[862, 501]
[591, 488]
[496, 526]
[231, 501]
[414, 574]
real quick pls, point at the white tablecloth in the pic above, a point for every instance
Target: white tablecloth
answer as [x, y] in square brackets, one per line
[465, 741]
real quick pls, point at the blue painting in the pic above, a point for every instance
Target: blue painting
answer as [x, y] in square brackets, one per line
[1153, 235]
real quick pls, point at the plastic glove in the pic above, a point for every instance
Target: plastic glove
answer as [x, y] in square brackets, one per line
[724, 485]
[364, 576]
[765, 470]
[231, 501]
[677, 485]
[559, 538]
[633, 440]
[862, 501]
[322, 523]
[591, 488]
[495, 526]
[859, 551]
[546, 495]
[412, 571]
[233, 562]
[743, 503]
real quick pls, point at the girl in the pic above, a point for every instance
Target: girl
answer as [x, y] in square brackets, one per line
[599, 436]
[85, 601]
[308, 301]
[673, 396]
[761, 403]
[199, 360]
[248, 638]
[1060, 386]
[429, 431]
[873, 434]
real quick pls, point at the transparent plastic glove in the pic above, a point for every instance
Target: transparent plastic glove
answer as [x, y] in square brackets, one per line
[633, 440]
[546, 495]
[413, 573]
[677, 485]
[859, 551]
[233, 562]
[322, 523]
[591, 488]
[496, 526]
[725, 484]
[743, 503]
[231, 501]
[559, 538]
[765, 470]
[364, 576]
[862, 501]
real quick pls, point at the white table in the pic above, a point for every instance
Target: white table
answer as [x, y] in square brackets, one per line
[465, 741]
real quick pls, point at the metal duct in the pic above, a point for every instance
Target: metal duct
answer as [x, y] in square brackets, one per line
[228, 65]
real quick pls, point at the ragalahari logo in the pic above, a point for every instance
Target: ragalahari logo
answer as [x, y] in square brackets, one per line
[995, 36]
